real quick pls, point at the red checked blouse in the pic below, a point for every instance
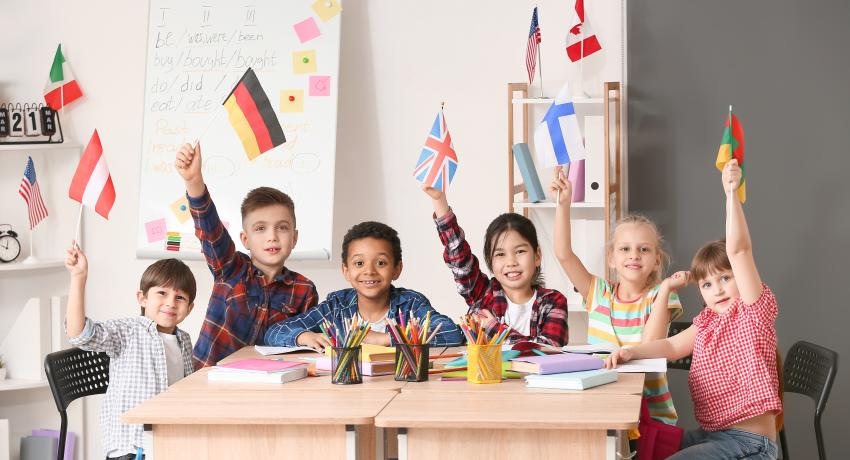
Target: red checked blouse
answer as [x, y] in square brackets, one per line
[733, 373]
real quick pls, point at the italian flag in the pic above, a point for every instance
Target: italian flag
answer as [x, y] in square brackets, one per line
[732, 146]
[62, 87]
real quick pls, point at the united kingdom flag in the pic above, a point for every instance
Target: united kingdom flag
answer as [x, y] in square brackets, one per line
[438, 161]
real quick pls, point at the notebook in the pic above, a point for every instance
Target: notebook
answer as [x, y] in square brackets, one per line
[591, 348]
[371, 352]
[555, 364]
[370, 368]
[267, 350]
[572, 380]
[644, 365]
[260, 366]
[219, 374]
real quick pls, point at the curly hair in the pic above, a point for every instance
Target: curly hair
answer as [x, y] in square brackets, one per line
[371, 229]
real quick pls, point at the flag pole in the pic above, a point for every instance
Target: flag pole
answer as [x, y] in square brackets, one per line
[77, 231]
[539, 54]
[204, 132]
[31, 259]
[729, 203]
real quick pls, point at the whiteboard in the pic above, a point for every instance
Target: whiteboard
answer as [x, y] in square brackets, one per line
[196, 52]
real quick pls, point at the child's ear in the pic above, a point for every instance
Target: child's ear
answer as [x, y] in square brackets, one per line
[397, 270]
[294, 237]
[140, 296]
[244, 239]
[538, 258]
[344, 269]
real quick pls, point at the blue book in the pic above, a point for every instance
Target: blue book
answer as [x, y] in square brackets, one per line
[572, 380]
[529, 174]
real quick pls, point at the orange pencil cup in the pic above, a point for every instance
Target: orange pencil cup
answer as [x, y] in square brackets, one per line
[484, 363]
[345, 366]
[411, 362]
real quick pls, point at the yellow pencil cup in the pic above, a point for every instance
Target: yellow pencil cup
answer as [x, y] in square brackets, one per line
[484, 363]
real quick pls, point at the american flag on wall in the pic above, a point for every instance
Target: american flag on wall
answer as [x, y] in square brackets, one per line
[531, 48]
[437, 163]
[32, 195]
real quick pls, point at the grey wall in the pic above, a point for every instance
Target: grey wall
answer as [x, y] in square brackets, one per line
[785, 66]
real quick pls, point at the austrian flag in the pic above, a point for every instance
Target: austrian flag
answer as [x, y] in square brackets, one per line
[92, 183]
[437, 163]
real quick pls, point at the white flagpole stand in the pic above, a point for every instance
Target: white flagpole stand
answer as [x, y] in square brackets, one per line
[32, 259]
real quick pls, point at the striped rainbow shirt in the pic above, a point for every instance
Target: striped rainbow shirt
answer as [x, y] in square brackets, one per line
[610, 320]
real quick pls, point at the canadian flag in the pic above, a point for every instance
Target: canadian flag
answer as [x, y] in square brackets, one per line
[92, 183]
[581, 41]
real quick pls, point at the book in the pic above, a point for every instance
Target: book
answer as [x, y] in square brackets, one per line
[591, 348]
[370, 353]
[581, 380]
[260, 366]
[507, 373]
[555, 364]
[267, 350]
[529, 173]
[644, 365]
[219, 374]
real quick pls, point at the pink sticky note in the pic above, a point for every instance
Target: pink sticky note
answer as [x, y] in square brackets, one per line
[320, 85]
[155, 230]
[307, 30]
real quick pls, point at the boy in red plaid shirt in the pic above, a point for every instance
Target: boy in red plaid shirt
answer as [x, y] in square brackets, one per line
[250, 292]
[515, 295]
[734, 376]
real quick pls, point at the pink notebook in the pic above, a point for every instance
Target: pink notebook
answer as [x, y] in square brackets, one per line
[260, 365]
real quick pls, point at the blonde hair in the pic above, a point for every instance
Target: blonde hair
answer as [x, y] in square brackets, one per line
[637, 219]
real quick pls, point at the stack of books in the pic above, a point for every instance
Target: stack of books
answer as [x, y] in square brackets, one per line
[255, 370]
[564, 371]
[572, 380]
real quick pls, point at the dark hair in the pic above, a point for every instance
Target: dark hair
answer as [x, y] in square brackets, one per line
[711, 258]
[171, 273]
[261, 197]
[371, 229]
[500, 226]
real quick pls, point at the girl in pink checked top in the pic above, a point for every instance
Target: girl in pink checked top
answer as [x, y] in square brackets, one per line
[734, 376]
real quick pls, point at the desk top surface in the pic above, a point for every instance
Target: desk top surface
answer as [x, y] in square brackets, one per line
[518, 411]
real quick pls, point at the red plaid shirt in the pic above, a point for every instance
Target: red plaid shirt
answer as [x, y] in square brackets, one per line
[733, 372]
[243, 303]
[548, 314]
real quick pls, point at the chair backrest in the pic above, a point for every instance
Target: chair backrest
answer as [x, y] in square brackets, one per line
[810, 370]
[74, 373]
[675, 328]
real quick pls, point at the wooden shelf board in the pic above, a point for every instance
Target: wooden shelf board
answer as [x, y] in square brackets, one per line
[548, 100]
[40, 265]
[34, 147]
[21, 384]
[551, 204]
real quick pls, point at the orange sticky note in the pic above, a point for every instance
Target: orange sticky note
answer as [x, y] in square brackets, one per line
[327, 9]
[291, 100]
[304, 62]
[180, 208]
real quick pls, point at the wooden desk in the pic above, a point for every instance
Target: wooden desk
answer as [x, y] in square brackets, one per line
[489, 425]
[244, 423]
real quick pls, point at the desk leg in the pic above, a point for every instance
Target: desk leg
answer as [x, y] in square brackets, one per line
[350, 442]
[402, 444]
[380, 448]
[147, 442]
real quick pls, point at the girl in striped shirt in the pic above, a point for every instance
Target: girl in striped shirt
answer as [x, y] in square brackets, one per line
[635, 308]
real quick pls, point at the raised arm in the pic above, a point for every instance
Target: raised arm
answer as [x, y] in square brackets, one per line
[188, 165]
[78, 267]
[572, 265]
[661, 313]
[739, 246]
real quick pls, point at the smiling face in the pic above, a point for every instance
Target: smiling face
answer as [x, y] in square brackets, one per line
[165, 306]
[719, 290]
[514, 264]
[370, 268]
[634, 255]
[269, 233]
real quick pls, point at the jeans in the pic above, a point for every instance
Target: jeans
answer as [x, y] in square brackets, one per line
[726, 444]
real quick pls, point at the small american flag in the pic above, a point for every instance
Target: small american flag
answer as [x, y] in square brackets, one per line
[32, 195]
[531, 49]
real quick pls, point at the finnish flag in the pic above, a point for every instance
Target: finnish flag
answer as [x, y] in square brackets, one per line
[557, 139]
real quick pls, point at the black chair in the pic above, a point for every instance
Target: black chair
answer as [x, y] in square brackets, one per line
[809, 370]
[684, 363]
[72, 374]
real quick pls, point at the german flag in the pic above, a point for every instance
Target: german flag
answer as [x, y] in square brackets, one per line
[252, 116]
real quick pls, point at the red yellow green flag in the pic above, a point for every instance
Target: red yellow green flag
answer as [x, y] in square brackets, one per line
[253, 117]
[732, 146]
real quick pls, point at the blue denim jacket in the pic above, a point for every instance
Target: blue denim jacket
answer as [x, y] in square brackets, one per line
[342, 304]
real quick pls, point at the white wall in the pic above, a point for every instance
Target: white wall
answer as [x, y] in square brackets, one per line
[399, 60]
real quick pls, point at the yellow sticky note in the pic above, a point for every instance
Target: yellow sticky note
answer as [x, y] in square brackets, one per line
[180, 208]
[291, 100]
[304, 62]
[327, 9]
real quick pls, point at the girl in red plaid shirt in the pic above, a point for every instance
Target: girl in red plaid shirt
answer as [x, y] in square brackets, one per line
[734, 376]
[515, 295]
